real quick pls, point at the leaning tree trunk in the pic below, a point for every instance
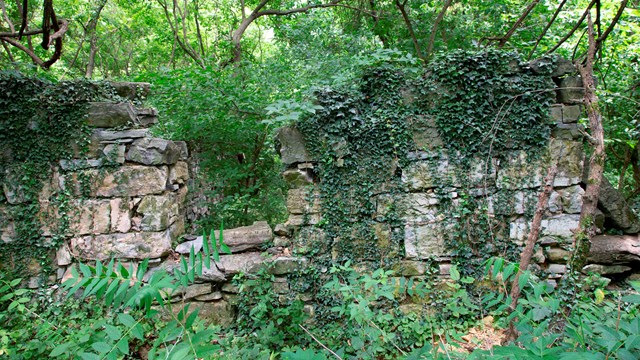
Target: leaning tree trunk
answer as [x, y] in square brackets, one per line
[587, 228]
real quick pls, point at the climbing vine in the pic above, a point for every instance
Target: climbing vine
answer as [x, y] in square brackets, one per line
[41, 122]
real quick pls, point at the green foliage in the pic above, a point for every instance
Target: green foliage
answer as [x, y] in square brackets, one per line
[41, 122]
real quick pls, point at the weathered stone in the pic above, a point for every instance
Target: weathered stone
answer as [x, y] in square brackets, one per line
[287, 265]
[238, 239]
[13, 187]
[429, 173]
[420, 207]
[482, 172]
[217, 312]
[281, 241]
[212, 274]
[216, 295]
[194, 290]
[410, 268]
[561, 226]
[142, 245]
[302, 201]
[563, 67]
[555, 202]
[110, 135]
[566, 114]
[110, 115]
[424, 241]
[63, 256]
[179, 173]
[425, 132]
[444, 269]
[605, 270]
[114, 153]
[280, 286]
[557, 269]
[292, 146]
[558, 255]
[153, 151]
[157, 212]
[121, 182]
[538, 256]
[570, 90]
[7, 227]
[570, 157]
[78, 164]
[230, 288]
[519, 172]
[184, 150]
[282, 230]
[615, 249]
[120, 216]
[90, 217]
[297, 178]
[146, 117]
[618, 213]
[300, 220]
[245, 262]
[572, 199]
[568, 132]
[131, 90]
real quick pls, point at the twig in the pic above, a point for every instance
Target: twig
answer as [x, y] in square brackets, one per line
[319, 343]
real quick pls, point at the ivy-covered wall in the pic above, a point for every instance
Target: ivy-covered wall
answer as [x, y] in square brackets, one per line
[82, 178]
[415, 170]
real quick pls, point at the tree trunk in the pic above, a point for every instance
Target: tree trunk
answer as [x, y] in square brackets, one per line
[588, 229]
[93, 39]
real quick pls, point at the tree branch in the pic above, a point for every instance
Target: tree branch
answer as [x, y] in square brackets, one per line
[517, 24]
[434, 28]
[407, 22]
[606, 33]
[566, 37]
[27, 51]
[546, 28]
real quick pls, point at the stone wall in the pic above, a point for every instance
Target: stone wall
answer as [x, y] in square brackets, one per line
[123, 197]
[432, 188]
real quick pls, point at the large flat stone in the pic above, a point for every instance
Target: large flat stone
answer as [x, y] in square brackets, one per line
[560, 226]
[153, 151]
[124, 181]
[303, 201]
[142, 245]
[111, 135]
[292, 146]
[246, 262]
[424, 241]
[157, 212]
[238, 239]
[110, 115]
[429, 173]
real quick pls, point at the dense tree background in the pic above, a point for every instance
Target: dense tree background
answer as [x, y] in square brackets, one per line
[227, 73]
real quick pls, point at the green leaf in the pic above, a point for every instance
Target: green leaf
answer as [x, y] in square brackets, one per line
[101, 347]
[60, 349]
[112, 332]
[453, 272]
[89, 356]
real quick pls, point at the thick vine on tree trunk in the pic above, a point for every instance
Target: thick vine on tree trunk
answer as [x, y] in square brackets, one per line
[587, 227]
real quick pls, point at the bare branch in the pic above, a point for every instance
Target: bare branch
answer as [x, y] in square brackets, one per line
[27, 51]
[407, 22]
[568, 35]
[434, 28]
[517, 24]
[606, 33]
[546, 28]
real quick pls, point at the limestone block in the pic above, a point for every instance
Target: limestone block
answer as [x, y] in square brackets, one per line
[142, 245]
[617, 211]
[238, 239]
[301, 220]
[292, 146]
[114, 153]
[566, 114]
[123, 136]
[558, 255]
[157, 212]
[555, 202]
[605, 270]
[572, 199]
[301, 201]
[615, 249]
[420, 207]
[212, 274]
[568, 132]
[131, 90]
[557, 269]
[561, 226]
[424, 241]
[121, 182]
[570, 90]
[410, 268]
[482, 172]
[425, 132]
[90, 217]
[110, 115]
[194, 290]
[78, 164]
[216, 312]
[146, 117]
[216, 295]
[245, 262]
[63, 256]
[518, 172]
[179, 173]
[570, 157]
[429, 173]
[297, 178]
[287, 265]
[120, 215]
[282, 230]
[153, 151]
